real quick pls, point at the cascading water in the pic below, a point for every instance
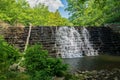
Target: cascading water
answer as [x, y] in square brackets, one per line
[88, 49]
[71, 44]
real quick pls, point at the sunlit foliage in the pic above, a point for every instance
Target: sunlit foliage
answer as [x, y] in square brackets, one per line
[19, 11]
[94, 12]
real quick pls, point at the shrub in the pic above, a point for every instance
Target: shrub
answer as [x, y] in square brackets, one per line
[41, 66]
[8, 56]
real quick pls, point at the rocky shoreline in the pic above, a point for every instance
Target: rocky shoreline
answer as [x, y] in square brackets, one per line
[113, 74]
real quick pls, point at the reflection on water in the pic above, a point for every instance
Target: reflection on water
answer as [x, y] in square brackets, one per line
[93, 63]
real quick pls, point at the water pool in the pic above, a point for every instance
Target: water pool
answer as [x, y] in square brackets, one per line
[93, 62]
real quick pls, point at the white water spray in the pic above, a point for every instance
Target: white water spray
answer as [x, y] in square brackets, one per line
[71, 44]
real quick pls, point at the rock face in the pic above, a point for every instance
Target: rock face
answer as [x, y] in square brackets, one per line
[104, 39]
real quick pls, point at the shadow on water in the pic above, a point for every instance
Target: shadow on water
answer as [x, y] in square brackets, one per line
[93, 63]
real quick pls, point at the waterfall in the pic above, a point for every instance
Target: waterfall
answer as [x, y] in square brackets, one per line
[89, 50]
[71, 44]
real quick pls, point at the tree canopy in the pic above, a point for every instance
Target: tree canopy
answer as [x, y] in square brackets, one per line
[19, 11]
[83, 13]
[94, 12]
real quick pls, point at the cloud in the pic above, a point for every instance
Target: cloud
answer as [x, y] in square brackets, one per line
[53, 5]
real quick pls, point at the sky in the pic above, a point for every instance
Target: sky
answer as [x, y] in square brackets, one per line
[53, 5]
[62, 9]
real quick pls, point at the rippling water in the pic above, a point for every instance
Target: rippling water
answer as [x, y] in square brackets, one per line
[93, 63]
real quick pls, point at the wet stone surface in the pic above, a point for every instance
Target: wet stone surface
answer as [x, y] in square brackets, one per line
[113, 74]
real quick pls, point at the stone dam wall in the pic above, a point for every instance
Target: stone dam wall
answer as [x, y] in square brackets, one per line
[105, 39]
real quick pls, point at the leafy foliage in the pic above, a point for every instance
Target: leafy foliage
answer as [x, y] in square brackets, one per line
[41, 66]
[8, 56]
[94, 12]
[19, 11]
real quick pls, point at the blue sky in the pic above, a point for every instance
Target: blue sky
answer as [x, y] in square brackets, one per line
[62, 9]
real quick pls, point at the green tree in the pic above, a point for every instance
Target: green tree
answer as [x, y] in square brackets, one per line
[94, 12]
[19, 11]
[55, 19]
[12, 10]
[40, 15]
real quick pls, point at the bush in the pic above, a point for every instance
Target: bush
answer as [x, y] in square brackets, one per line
[16, 76]
[8, 56]
[41, 66]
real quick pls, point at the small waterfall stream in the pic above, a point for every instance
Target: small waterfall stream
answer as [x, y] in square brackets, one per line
[88, 48]
[71, 44]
